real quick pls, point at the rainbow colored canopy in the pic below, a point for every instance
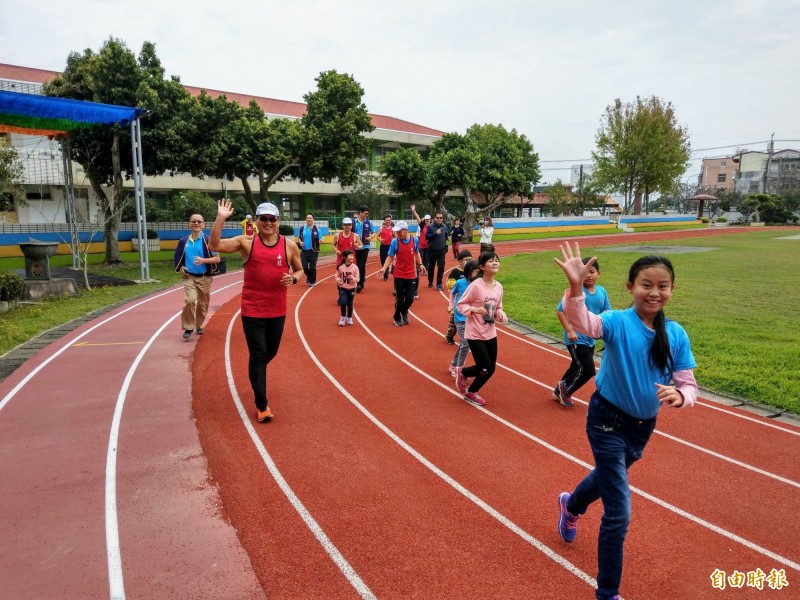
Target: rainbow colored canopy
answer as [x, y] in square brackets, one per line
[44, 115]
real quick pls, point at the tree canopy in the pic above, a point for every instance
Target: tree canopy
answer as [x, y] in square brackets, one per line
[114, 75]
[641, 149]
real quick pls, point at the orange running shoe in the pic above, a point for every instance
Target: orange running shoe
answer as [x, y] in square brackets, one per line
[264, 415]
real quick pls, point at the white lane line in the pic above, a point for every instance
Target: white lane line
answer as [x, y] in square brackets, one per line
[7, 398]
[695, 519]
[494, 513]
[116, 584]
[678, 440]
[333, 552]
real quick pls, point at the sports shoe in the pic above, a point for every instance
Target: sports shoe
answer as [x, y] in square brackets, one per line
[461, 382]
[438, 288]
[397, 322]
[349, 321]
[430, 285]
[416, 295]
[564, 399]
[342, 321]
[187, 333]
[264, 415]
[474, 398]
[453, 371]
[405, 320]
[567, 522]
[450, 341]
[200, 330]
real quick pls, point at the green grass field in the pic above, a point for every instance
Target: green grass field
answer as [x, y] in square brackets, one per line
[738, 302]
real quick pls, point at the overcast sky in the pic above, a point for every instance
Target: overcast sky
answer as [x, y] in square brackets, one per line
[546, 69]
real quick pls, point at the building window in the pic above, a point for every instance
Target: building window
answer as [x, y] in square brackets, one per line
[723, 163]
[721, 178]
[38, 196]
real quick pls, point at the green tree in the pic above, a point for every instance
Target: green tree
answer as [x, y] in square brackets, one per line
[641, 149]
[10, 174]
[408, 173]
[114, 75]
[767, 208]
[559, 199]
[507, 164]
[372, 190]
[587, 196]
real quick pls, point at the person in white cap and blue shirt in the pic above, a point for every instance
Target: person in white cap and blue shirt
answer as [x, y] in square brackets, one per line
[271, 265]
[404, 255]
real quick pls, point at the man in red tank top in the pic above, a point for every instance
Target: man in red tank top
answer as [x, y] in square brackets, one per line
[403, 253]
[271, 265]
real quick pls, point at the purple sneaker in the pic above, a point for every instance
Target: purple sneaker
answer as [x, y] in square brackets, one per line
[564, 399]
[461, 382]
[567, 522]
[474, 398]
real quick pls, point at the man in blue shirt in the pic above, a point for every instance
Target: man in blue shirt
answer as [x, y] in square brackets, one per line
[308, 241]
[195, 262]
[363, 227]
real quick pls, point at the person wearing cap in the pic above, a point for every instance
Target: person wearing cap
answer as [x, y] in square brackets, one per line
[271, 265]
[404, 255]
[308, 240]
[195, 261]
[422, 230]
[437, 234]
[385, 236]
[346, 240]
[363, 227]
[247, 225]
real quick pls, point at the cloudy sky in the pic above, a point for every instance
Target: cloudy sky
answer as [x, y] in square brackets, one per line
[547, 69]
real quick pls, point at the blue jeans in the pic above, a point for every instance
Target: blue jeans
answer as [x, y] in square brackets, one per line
[617, 441]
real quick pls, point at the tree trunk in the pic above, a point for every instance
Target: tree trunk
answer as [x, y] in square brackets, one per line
[248, 193]
[469, 217]
[637, 203]
[112, 208]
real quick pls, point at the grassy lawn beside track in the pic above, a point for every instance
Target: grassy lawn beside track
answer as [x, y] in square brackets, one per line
[738, 303]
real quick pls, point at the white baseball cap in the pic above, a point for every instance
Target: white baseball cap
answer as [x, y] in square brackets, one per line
[347, 221]
[267, 208]
[400, 225]
[248, 216]
[426, 217]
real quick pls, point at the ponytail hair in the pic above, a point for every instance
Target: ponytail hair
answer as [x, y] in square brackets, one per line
[660, 355]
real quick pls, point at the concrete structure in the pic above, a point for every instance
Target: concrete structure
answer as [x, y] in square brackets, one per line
[718, 173]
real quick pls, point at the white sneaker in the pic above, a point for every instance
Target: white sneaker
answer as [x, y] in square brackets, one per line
[453, 371]
[342, 321]
[349, 321]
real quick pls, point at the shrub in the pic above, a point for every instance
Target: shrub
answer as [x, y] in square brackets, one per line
[285, 229]
[704, 219]
[152, 234]
[722, 220]
[12, 286]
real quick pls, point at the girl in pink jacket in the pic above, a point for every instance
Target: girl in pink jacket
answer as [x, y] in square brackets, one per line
[482, 305]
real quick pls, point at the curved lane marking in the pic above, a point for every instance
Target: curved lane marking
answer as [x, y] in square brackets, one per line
[116, 583]
[333, 552]
[695, 519]
[494, 513]
[678, 440]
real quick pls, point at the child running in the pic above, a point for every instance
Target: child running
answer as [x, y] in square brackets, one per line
[580, 347]
[471, 271]
[482, 305]
[347, 278]
[644, 353]
[463, 257]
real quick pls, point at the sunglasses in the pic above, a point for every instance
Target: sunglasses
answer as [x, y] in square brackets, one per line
[268, 219]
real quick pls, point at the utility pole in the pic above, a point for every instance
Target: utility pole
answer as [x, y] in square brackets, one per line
[769, 159]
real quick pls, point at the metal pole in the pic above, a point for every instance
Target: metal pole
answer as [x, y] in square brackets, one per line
[69, 195]
[141, 212]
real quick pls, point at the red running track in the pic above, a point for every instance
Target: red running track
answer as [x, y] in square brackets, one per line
[132, 466]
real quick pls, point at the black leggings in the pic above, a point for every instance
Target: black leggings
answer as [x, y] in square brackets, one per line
[485, 354]
[263, 340]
